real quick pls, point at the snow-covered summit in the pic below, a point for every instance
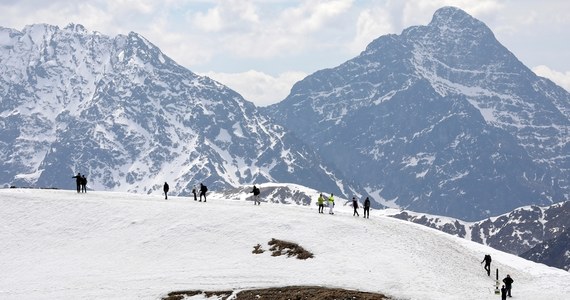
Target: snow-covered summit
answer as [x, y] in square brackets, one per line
[456, 20]
[441, 119]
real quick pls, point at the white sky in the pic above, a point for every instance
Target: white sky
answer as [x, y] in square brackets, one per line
[260, 48]
[58, 244]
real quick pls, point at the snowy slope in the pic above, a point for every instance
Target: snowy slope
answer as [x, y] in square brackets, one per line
[104, 245]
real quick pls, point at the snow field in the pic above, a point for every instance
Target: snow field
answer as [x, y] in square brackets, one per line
[102, 245]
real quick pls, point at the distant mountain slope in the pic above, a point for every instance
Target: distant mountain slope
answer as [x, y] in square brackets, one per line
[440, 119]
[110, 245]
[123, 113]
[536, 233]
[554, 252]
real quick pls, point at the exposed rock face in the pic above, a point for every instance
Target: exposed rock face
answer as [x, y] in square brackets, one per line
[440, 119]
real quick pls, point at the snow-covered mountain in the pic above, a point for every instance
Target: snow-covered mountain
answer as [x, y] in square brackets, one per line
[120, 111]
[441, 119]
[518, 232]
[108, 245]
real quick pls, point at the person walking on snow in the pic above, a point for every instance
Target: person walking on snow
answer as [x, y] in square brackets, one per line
[487, 261]
[331, 204]
[321, 202]
[508, 284]
[203, 190]
[367, 208]
[194, 192]
[355, 205]
[256, 193]
[165, 189]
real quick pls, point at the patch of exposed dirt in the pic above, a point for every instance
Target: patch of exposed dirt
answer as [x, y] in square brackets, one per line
[283, 293]
[279, 247]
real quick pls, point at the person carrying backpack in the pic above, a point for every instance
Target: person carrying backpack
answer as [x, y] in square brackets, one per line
[367, 208]
[321, 203]
[256, 193]
[203, 190]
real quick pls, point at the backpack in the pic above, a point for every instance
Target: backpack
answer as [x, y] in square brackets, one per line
[205, 188]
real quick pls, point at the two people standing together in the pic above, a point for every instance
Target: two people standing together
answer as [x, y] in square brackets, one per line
[81, 182]
[366, 207]
[321, 203]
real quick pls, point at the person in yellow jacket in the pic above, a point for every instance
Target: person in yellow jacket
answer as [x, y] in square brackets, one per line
[321, 203]
[331, 204]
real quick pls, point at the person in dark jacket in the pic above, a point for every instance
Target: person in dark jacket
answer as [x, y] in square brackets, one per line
[194, 192]
[256, 193]
[355, 206]
[487, 260]
[78, 182]
[165, 188]
[83, 184]
[203, 190]
[367, 208]
[508, 284]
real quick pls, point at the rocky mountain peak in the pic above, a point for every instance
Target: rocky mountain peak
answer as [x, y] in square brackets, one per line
[441, 119]
[76, 28]
[121, 112]
[455, 19]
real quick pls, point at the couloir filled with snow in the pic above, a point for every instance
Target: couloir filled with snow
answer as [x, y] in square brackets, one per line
[58, 244]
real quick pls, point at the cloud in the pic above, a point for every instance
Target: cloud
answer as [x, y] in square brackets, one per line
[275, 36]
[371, 24]
[210, 21]
[312, 16]
[136, 6]
[560, 78]
[261, 29]
[258, 87]
[229, 15]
